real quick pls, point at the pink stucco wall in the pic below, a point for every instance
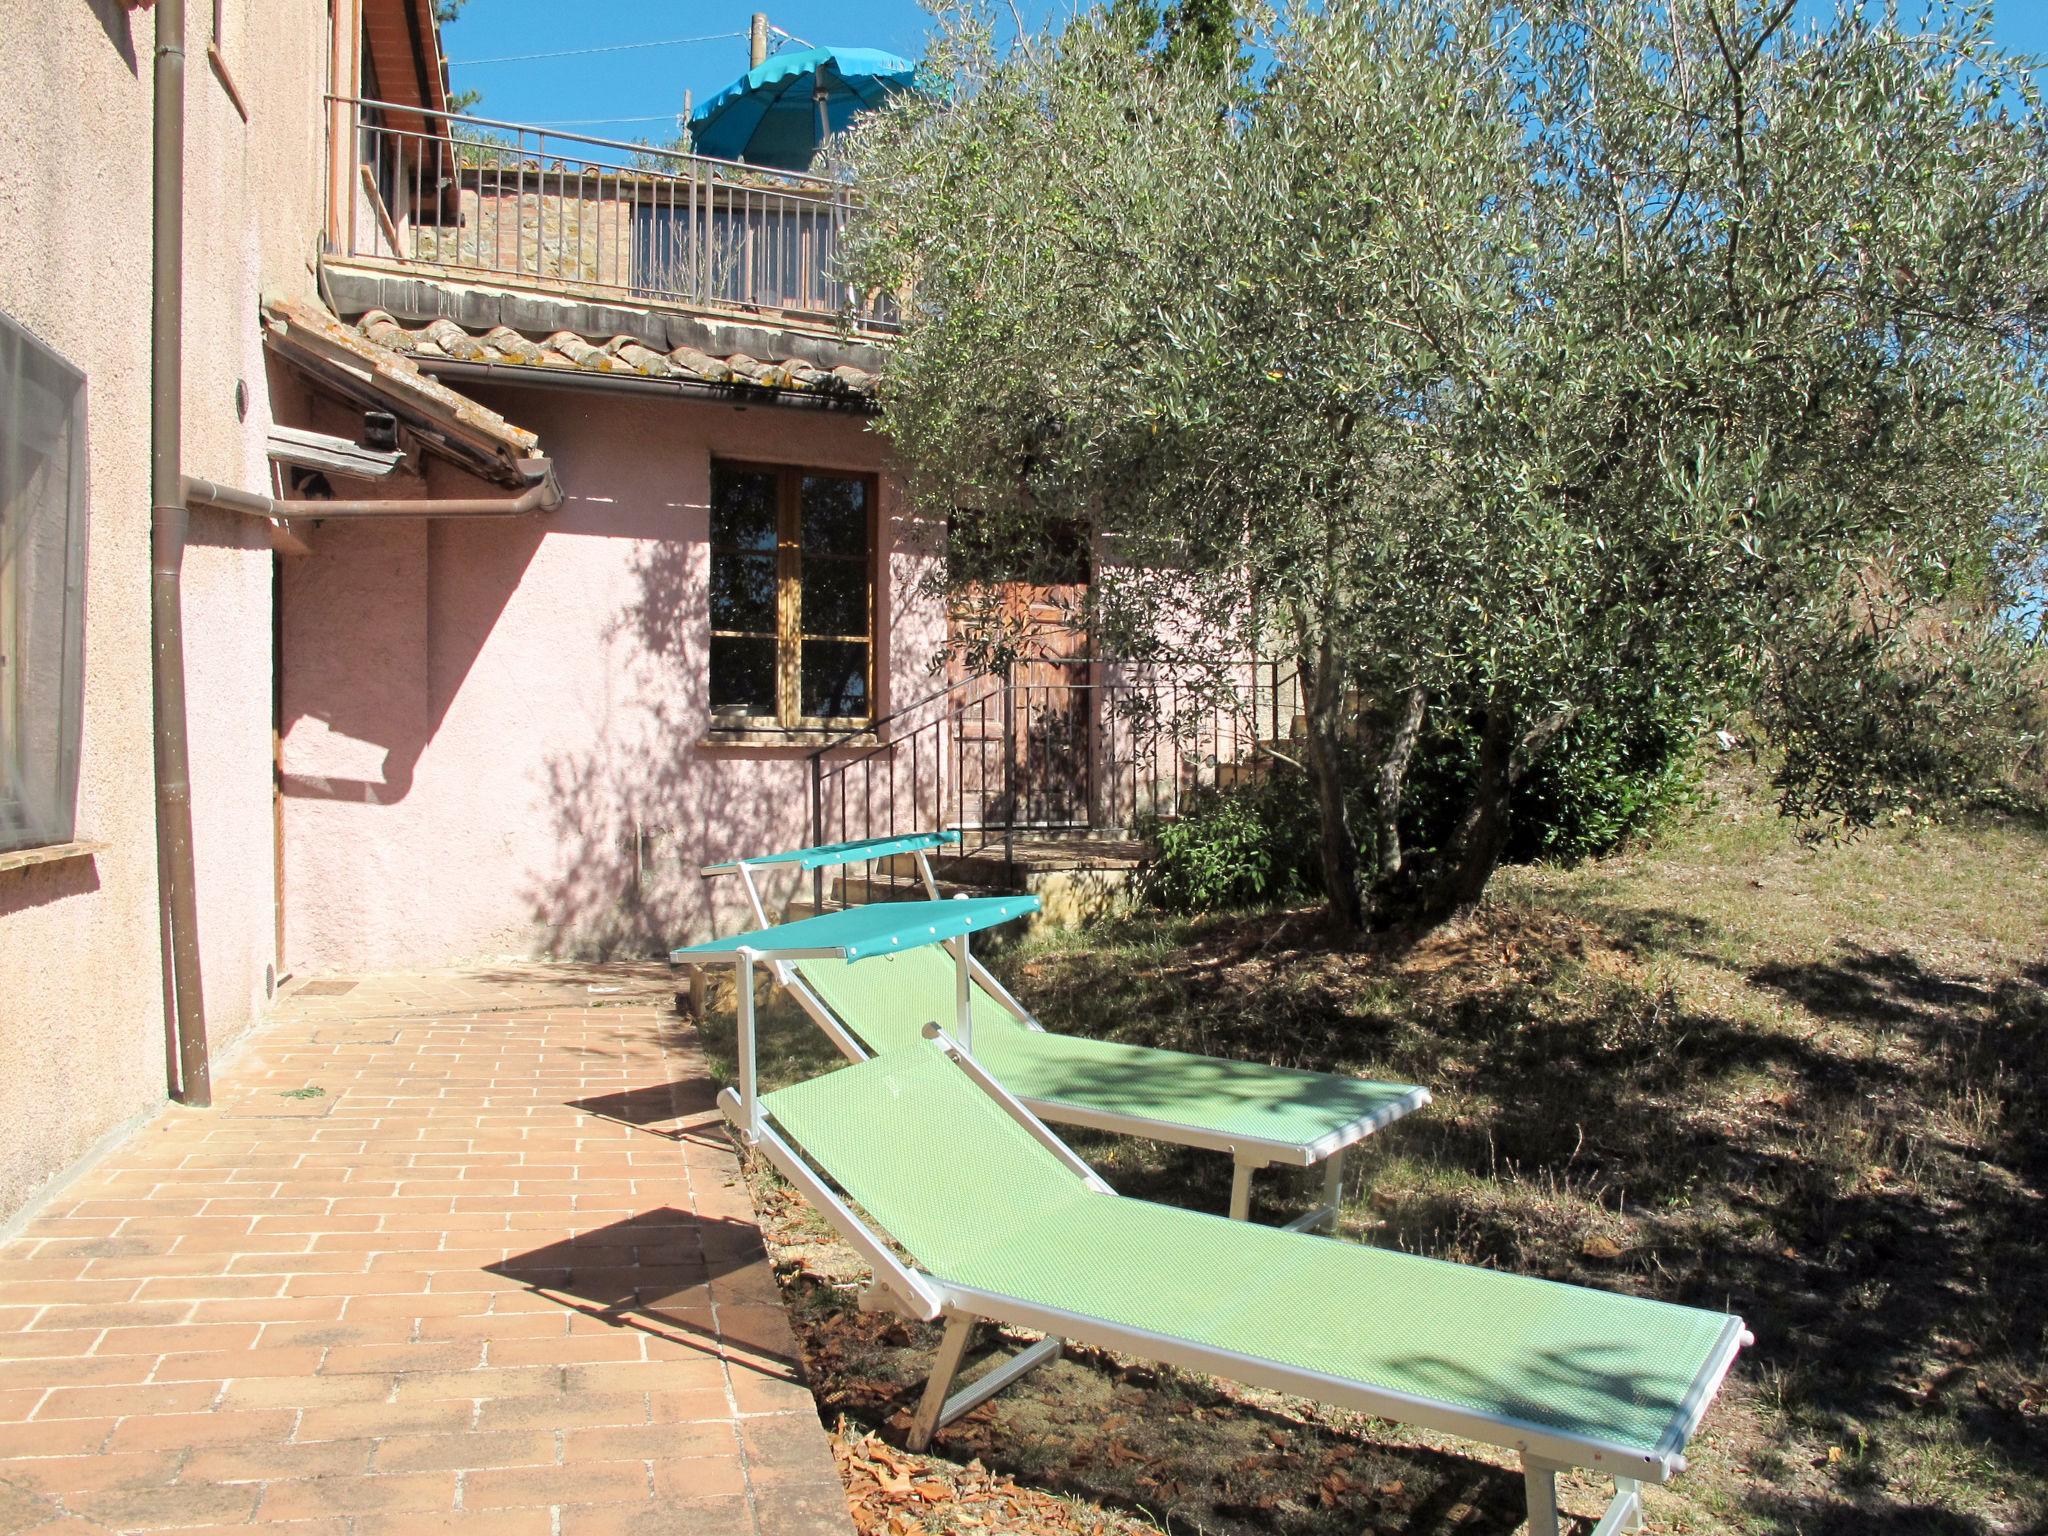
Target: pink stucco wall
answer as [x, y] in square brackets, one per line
[81, 1008]
[494, 730]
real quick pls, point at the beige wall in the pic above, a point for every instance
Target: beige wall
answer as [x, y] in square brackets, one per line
[480, 714]
[81, 1014]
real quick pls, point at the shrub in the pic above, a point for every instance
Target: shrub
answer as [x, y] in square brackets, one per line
[1606, 778]
[1604, 782]
[1253, 845]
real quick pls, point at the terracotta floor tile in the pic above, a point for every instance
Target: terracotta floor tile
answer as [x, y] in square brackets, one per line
[263, 1461]
[178, 1504]
[316, 1496]
[66, 1475]
[590, 1482]
[465, 1452]
[731, 1516]
[123, 1401]
[174, 1431]
[491, 1522]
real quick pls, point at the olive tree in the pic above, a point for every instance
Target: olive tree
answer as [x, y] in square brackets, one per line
[1499, 361]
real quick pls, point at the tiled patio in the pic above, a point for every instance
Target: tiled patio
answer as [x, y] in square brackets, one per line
[454, 1252]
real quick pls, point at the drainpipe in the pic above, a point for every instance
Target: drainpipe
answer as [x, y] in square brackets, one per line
[177, 889]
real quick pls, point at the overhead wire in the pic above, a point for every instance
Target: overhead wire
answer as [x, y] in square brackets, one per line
[571, 53]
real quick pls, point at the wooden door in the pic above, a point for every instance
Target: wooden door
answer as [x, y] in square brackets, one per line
[1022, 741]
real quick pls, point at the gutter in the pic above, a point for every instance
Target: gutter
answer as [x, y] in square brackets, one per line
[544, 495]
[524, 376]
[169, 521]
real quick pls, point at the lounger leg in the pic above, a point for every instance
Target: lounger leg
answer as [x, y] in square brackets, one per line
[936, 1409]
[1241, 1192]
[952, 1350]
[1325, 1215]
[1625, 1514]
[1541, 1478]
[989, 1383]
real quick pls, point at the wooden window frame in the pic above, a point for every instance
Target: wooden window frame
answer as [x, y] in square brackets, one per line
[789, 633]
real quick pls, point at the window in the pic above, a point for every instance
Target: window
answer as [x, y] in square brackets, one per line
[42, 590]
[792, 597]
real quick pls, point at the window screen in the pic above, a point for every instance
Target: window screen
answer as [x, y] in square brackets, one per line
[42, 590]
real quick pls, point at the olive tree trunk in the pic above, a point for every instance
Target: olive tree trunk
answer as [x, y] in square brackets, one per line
[1325, 717]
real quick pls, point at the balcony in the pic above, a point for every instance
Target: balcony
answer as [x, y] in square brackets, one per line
[469, 200]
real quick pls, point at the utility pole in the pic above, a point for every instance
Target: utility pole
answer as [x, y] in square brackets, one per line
[757, 41]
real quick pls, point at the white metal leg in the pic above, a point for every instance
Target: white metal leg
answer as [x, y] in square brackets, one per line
[1540, 1477]
[1625, 1514]
[963, 994]
[745, 984]
[952, 1350]
[1325, 1215]
[1241, 1192]
[989, 1383]
[936, 1409]
[1333, 1185]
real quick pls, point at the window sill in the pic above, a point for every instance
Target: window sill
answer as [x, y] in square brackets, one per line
[55, 853]
[759, 738]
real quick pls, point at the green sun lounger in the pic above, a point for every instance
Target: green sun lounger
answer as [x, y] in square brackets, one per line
[1002, 1222]
[1262, 1116]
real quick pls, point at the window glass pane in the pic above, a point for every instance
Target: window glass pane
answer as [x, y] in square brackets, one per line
[743, 673]
[835, 597]
[835, 515]
[835, 680]
[42, 572]
[742, 508]
[743, 592]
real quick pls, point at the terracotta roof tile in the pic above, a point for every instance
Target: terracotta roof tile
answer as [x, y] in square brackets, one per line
[370, 365]
[613, 355]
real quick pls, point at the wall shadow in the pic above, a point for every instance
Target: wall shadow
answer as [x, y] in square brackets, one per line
[37, 885]
[114, 19]
[639, 809]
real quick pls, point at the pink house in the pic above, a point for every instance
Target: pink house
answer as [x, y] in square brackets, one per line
[518, 735]
[528, 535]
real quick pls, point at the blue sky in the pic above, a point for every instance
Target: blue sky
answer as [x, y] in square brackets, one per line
[637, 91]
[647, 84]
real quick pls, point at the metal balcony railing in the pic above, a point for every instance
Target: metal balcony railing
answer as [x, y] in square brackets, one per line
[568, 214]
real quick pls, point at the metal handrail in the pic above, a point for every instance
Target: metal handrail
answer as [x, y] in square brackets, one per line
[1123, 763]
[818, 183]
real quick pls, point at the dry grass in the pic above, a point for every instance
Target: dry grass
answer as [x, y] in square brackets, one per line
[1809, 1084]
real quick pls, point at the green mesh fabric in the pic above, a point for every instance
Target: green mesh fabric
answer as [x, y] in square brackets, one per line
[887, 1001]
[887, 927]
[979, 1203]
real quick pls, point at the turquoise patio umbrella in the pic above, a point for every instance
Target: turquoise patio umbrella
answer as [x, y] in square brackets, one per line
[779, 112]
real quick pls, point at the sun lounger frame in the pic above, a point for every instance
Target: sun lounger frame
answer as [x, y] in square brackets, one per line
[1544, 1451]
[1248, 1154]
